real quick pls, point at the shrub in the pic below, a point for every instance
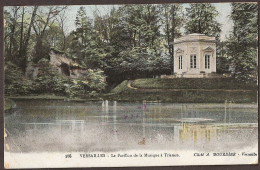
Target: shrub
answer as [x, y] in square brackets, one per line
[90, 84]
[48, 81]
[15, 82]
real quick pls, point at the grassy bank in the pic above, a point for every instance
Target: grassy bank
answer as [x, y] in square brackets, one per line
[8, 104]
[166, 90]
[192, 83]
[41, 96]
[122, 88]
[52, 97]
[181, 90]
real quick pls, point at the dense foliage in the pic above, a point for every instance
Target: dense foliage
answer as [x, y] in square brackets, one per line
[202, 19]
[49, 82]
[243, 42]
[15, 81]
[127, 42]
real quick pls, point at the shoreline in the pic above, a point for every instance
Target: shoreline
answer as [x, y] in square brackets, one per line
[11, 100]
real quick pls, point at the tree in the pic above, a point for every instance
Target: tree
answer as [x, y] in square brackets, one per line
[141, 24]
[84, 27]
[44, 19]
[201, 18]
[11, 32]
[83, 38]
[61, 19]
[25, 44]
[18, 33]
[242, 43]
[172, 20]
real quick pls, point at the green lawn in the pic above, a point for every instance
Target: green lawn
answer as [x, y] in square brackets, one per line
[192, 83]
[192, 94]
[122, 87]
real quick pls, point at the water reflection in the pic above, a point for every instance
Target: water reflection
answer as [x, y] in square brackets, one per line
[113, 126]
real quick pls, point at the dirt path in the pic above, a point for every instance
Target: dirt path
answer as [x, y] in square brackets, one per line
[130, 85]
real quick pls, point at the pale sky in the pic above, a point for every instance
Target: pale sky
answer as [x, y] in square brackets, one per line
[223, 18]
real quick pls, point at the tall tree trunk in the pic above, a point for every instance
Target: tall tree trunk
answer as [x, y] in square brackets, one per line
[139, 38]
[64, 41]
[173, 36]
[21, 36]
[27, 38]
[12, 36]
[134, 38]
[167, 28]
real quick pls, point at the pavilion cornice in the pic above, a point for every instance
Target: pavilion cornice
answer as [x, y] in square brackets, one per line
[184, 41]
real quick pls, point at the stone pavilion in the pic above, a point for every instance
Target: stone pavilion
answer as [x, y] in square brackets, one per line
[194, 55]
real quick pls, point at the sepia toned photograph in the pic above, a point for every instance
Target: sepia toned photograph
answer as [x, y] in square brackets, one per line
[130, 85]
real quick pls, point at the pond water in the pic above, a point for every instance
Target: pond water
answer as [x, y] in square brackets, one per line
[60, 126]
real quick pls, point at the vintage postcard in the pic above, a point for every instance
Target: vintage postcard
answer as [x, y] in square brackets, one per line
[167, 84]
